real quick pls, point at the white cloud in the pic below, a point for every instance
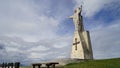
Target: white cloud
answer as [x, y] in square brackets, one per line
[37, 55]
[21, 19]
[9, 49]
[91, 7]
[39, 48]
[31, 20]
[106, 41]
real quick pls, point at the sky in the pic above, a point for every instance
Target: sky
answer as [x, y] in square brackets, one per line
[40, 30]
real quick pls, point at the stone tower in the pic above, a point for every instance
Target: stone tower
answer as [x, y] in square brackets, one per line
[81, 47]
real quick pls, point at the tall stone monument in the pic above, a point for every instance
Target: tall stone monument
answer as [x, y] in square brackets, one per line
[81, 47]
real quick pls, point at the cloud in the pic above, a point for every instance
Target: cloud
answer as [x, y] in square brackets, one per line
[92, 7]
[23, 19]
[32, 20]
[15, 49]
[106, 41]
[28, 30]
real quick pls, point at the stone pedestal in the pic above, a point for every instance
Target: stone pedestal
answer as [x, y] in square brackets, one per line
[81, 47]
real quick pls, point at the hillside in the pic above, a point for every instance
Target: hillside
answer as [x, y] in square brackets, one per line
[107, 63]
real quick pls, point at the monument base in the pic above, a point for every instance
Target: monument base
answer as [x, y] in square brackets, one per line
[65, 61]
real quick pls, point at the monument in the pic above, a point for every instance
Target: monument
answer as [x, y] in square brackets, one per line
[81, 47]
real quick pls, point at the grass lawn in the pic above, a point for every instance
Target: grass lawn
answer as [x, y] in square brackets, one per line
[107, 63]
[36, 67]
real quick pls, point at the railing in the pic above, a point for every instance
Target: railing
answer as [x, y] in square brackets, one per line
[10, 65]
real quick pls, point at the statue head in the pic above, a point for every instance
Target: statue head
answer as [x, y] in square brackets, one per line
[78, 10]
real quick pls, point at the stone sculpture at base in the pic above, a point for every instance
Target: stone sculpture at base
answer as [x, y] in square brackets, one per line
[81, 47]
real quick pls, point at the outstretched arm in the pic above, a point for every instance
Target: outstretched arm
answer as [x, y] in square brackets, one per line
[71, 17]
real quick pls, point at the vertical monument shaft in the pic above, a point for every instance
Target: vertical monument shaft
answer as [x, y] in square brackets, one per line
[81, 48]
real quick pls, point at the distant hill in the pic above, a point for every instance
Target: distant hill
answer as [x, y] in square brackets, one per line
[106, 63]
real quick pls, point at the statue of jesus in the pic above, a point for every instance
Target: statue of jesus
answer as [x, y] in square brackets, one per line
[77, 18]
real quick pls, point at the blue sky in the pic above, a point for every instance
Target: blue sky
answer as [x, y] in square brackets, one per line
[37, 29]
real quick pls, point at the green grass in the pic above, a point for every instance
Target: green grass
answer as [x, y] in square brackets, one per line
[108, 63]
[26, 67]
[37, 67]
